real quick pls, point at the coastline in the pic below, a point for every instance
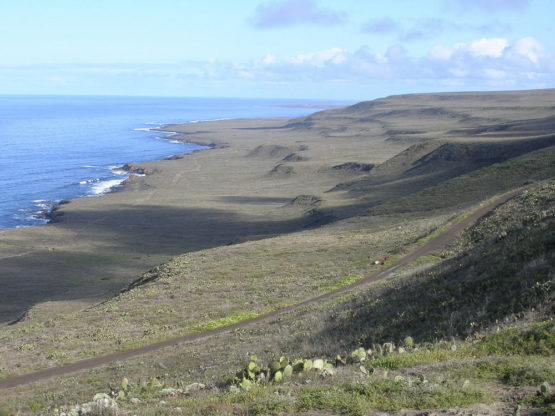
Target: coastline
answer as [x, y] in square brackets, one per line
[261, 178]
[175, 132]
[136, 170]
[50, 211]
[60, 160]
[188, 203]
[133, 170]
[277, 212]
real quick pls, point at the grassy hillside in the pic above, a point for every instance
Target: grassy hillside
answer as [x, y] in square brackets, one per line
[500, 271]
[461, 334]
[241, 189]
[285, 212]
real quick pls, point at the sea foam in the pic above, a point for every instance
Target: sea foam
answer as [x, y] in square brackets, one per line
[103, 187]
[67, 159]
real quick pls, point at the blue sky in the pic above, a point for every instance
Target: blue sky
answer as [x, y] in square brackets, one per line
[348, 49]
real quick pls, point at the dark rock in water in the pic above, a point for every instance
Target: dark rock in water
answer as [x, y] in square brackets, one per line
[174, 157]
[131, 180]
[55, 215]
[134, 168]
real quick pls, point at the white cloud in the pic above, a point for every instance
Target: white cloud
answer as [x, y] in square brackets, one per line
[269, 59]
[492, 48]
[485, 61]
[528, 48]
[396, 53]
[319, 59]
[524, 63]
[440, 52]
[492, 73]
[523, 52]
[459, 73]
[245, 74]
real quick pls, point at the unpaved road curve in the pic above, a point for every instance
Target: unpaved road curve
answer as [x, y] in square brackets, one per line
[431, 246]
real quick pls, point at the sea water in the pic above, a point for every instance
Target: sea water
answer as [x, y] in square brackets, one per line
[60, 147]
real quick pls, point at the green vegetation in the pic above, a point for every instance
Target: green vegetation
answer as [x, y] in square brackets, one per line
[344, 282]
[539, 339]
[464, 326]
[391, 379]
[461, 296]
[226, 321]
[388, 395]
[209, 289]
[426, 369]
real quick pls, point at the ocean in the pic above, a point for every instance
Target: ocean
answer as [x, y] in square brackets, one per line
[62, 147]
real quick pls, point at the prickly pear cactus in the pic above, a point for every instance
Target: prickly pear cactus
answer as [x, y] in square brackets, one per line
[298, 366]
[245, 384]
[287, 371]
[318, 364]
[361, 352]
[357, 356]
[388, 348]
[274, 367]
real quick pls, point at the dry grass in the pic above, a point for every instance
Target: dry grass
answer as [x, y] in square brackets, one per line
[184, 294]
[251, 246]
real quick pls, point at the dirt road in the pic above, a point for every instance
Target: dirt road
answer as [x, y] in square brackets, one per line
[431, 246]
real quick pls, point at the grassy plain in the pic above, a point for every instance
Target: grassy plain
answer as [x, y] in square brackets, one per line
[283, 210]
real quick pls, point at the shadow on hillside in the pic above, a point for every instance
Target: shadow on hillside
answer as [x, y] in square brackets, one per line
[254, 199]
[151, 233]
[113, 239]
[458, 298]
[519, 128]
[444, 162]
[121, 244]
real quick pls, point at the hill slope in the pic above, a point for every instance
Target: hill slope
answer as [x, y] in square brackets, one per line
[223, 240]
